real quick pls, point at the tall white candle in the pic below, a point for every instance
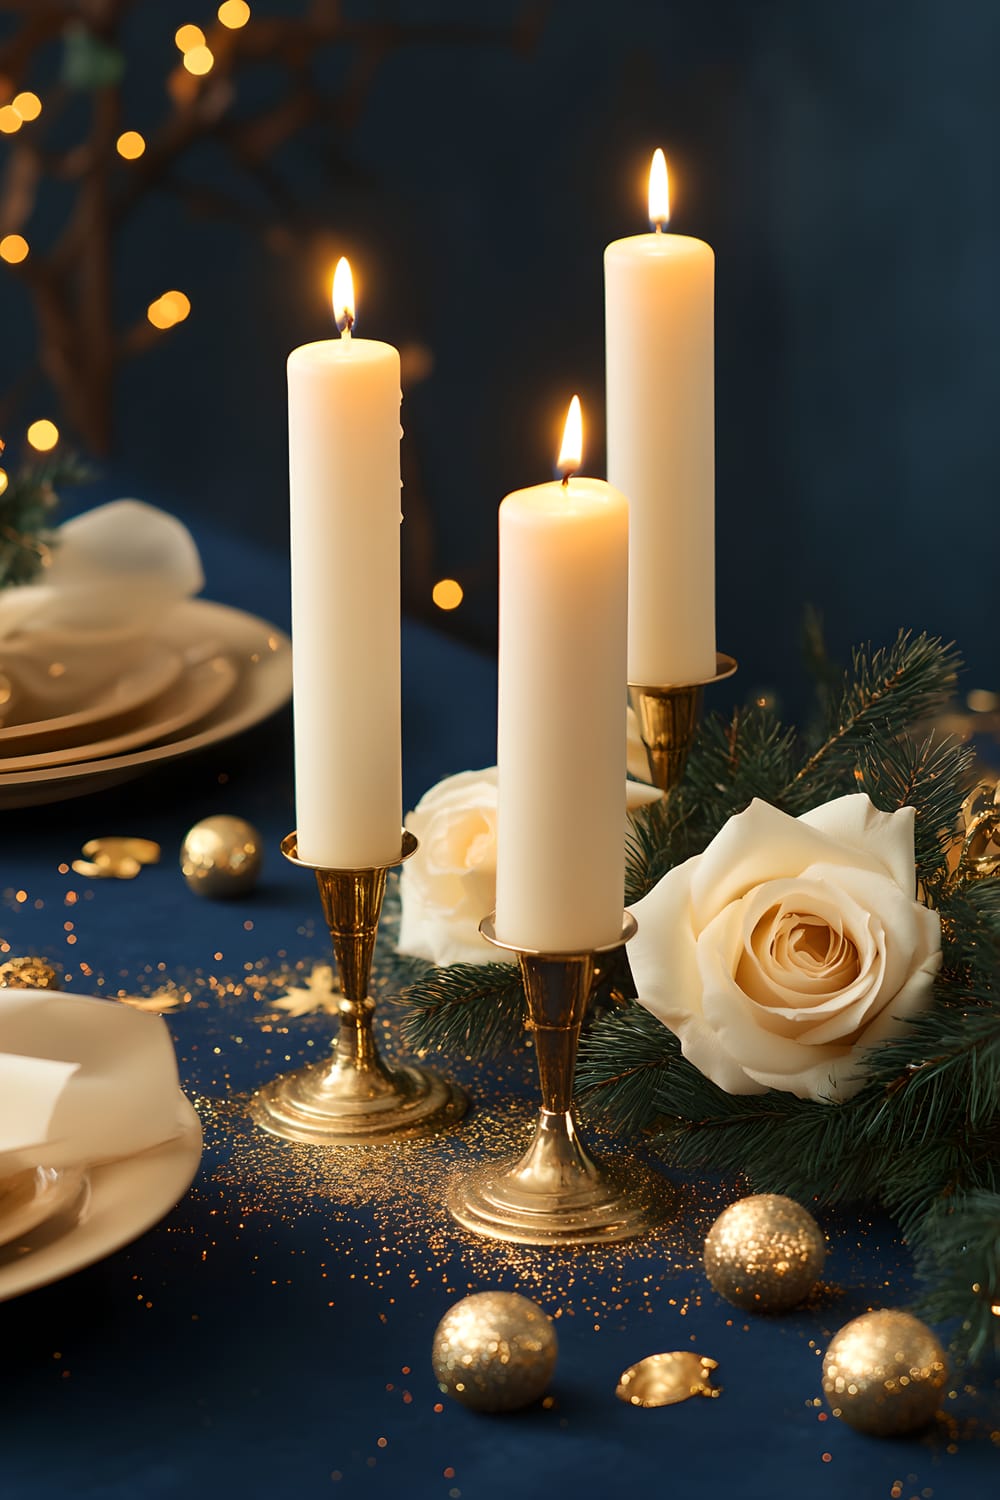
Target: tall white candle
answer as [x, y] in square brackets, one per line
[343, 448]
[561, 737]
[659, 307]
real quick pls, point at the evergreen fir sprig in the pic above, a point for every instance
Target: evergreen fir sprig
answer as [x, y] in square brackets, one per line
[958, 1262]
[930, 775]
[473, 1009]
[27, 509]
[884, 694]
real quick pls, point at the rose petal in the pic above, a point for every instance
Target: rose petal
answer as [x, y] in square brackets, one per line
[857, 824]
[758, 845]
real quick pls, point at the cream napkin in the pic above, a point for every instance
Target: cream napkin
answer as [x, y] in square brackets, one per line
[112, 575]
[81, 1081]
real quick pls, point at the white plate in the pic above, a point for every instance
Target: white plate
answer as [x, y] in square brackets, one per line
[263, 656]
[39, 1193]
[201, 687]
[147, 679]
[126, 1198]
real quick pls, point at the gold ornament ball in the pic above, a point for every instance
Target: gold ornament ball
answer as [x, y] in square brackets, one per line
[221, 857]
[885, 1373]
[494, 1351]
[28, 974]
[764, 1253]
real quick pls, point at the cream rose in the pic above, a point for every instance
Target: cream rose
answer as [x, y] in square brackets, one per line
[450, 883]
[789, 947]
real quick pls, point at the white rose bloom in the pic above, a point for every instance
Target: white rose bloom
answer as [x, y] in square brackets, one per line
[450, 884]
[789, 947]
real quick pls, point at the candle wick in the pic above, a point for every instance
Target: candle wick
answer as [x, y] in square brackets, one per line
[567, 476]
[659, 226]
[348, 324]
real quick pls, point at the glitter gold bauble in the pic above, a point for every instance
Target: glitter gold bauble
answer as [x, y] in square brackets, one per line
[764, 1253]
[28, 974]
[885, 1373]
[221, 857]
[494, 1351]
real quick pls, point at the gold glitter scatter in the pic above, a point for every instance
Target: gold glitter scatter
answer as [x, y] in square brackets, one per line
[28, 974]
[413, 1243]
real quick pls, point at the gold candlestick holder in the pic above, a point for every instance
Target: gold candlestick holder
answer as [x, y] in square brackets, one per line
[556, 1193]
[354, 1097]
[668, 717]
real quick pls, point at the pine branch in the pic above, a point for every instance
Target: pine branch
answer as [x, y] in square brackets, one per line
[931, 777]
[958, 1263]
[885, 691]
[659, 836]
[753, 755]
[474, 1009]
[620, 1065]
[27, 508]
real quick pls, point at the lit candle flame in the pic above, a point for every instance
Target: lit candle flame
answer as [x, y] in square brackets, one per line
[571, 452]
[659, 191]
[343, 296]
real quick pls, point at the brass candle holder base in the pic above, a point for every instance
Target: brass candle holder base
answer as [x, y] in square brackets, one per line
[668, 717]
[556, 1193]
[354, 1097]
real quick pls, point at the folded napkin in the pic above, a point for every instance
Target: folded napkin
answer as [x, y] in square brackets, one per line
[111, 576]
[81, 1081]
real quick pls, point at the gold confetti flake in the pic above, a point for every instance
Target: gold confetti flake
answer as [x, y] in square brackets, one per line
[665, 1379]
[319, 993]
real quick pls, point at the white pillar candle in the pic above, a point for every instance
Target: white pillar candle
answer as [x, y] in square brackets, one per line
[561, 735]
[343, 448]
[659, 307]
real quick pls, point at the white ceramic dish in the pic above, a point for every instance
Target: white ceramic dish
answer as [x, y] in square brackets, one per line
[37, 1194]
[126, 1198]
[158, 667]
[262, 655]
[200, 688]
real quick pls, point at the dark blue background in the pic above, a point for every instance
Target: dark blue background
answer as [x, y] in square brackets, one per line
[842, 159]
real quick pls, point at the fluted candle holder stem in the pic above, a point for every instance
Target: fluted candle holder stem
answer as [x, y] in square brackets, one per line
[668, 716]
[354, 1097]
[556, 1193]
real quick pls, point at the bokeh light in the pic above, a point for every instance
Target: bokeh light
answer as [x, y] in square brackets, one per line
[3, 480]
[173, 307]
[27, 105]
[13, 249]
[199, 61]
[10, 120]
[188, 37]
[234, 13]
[130, 145]
[447, 593]
[43, 435]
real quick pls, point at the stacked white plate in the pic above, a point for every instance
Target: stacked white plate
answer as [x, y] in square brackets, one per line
[209, 673]
[54, 1222]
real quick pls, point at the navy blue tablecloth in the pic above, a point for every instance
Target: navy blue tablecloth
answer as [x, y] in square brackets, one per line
[272, 1336]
